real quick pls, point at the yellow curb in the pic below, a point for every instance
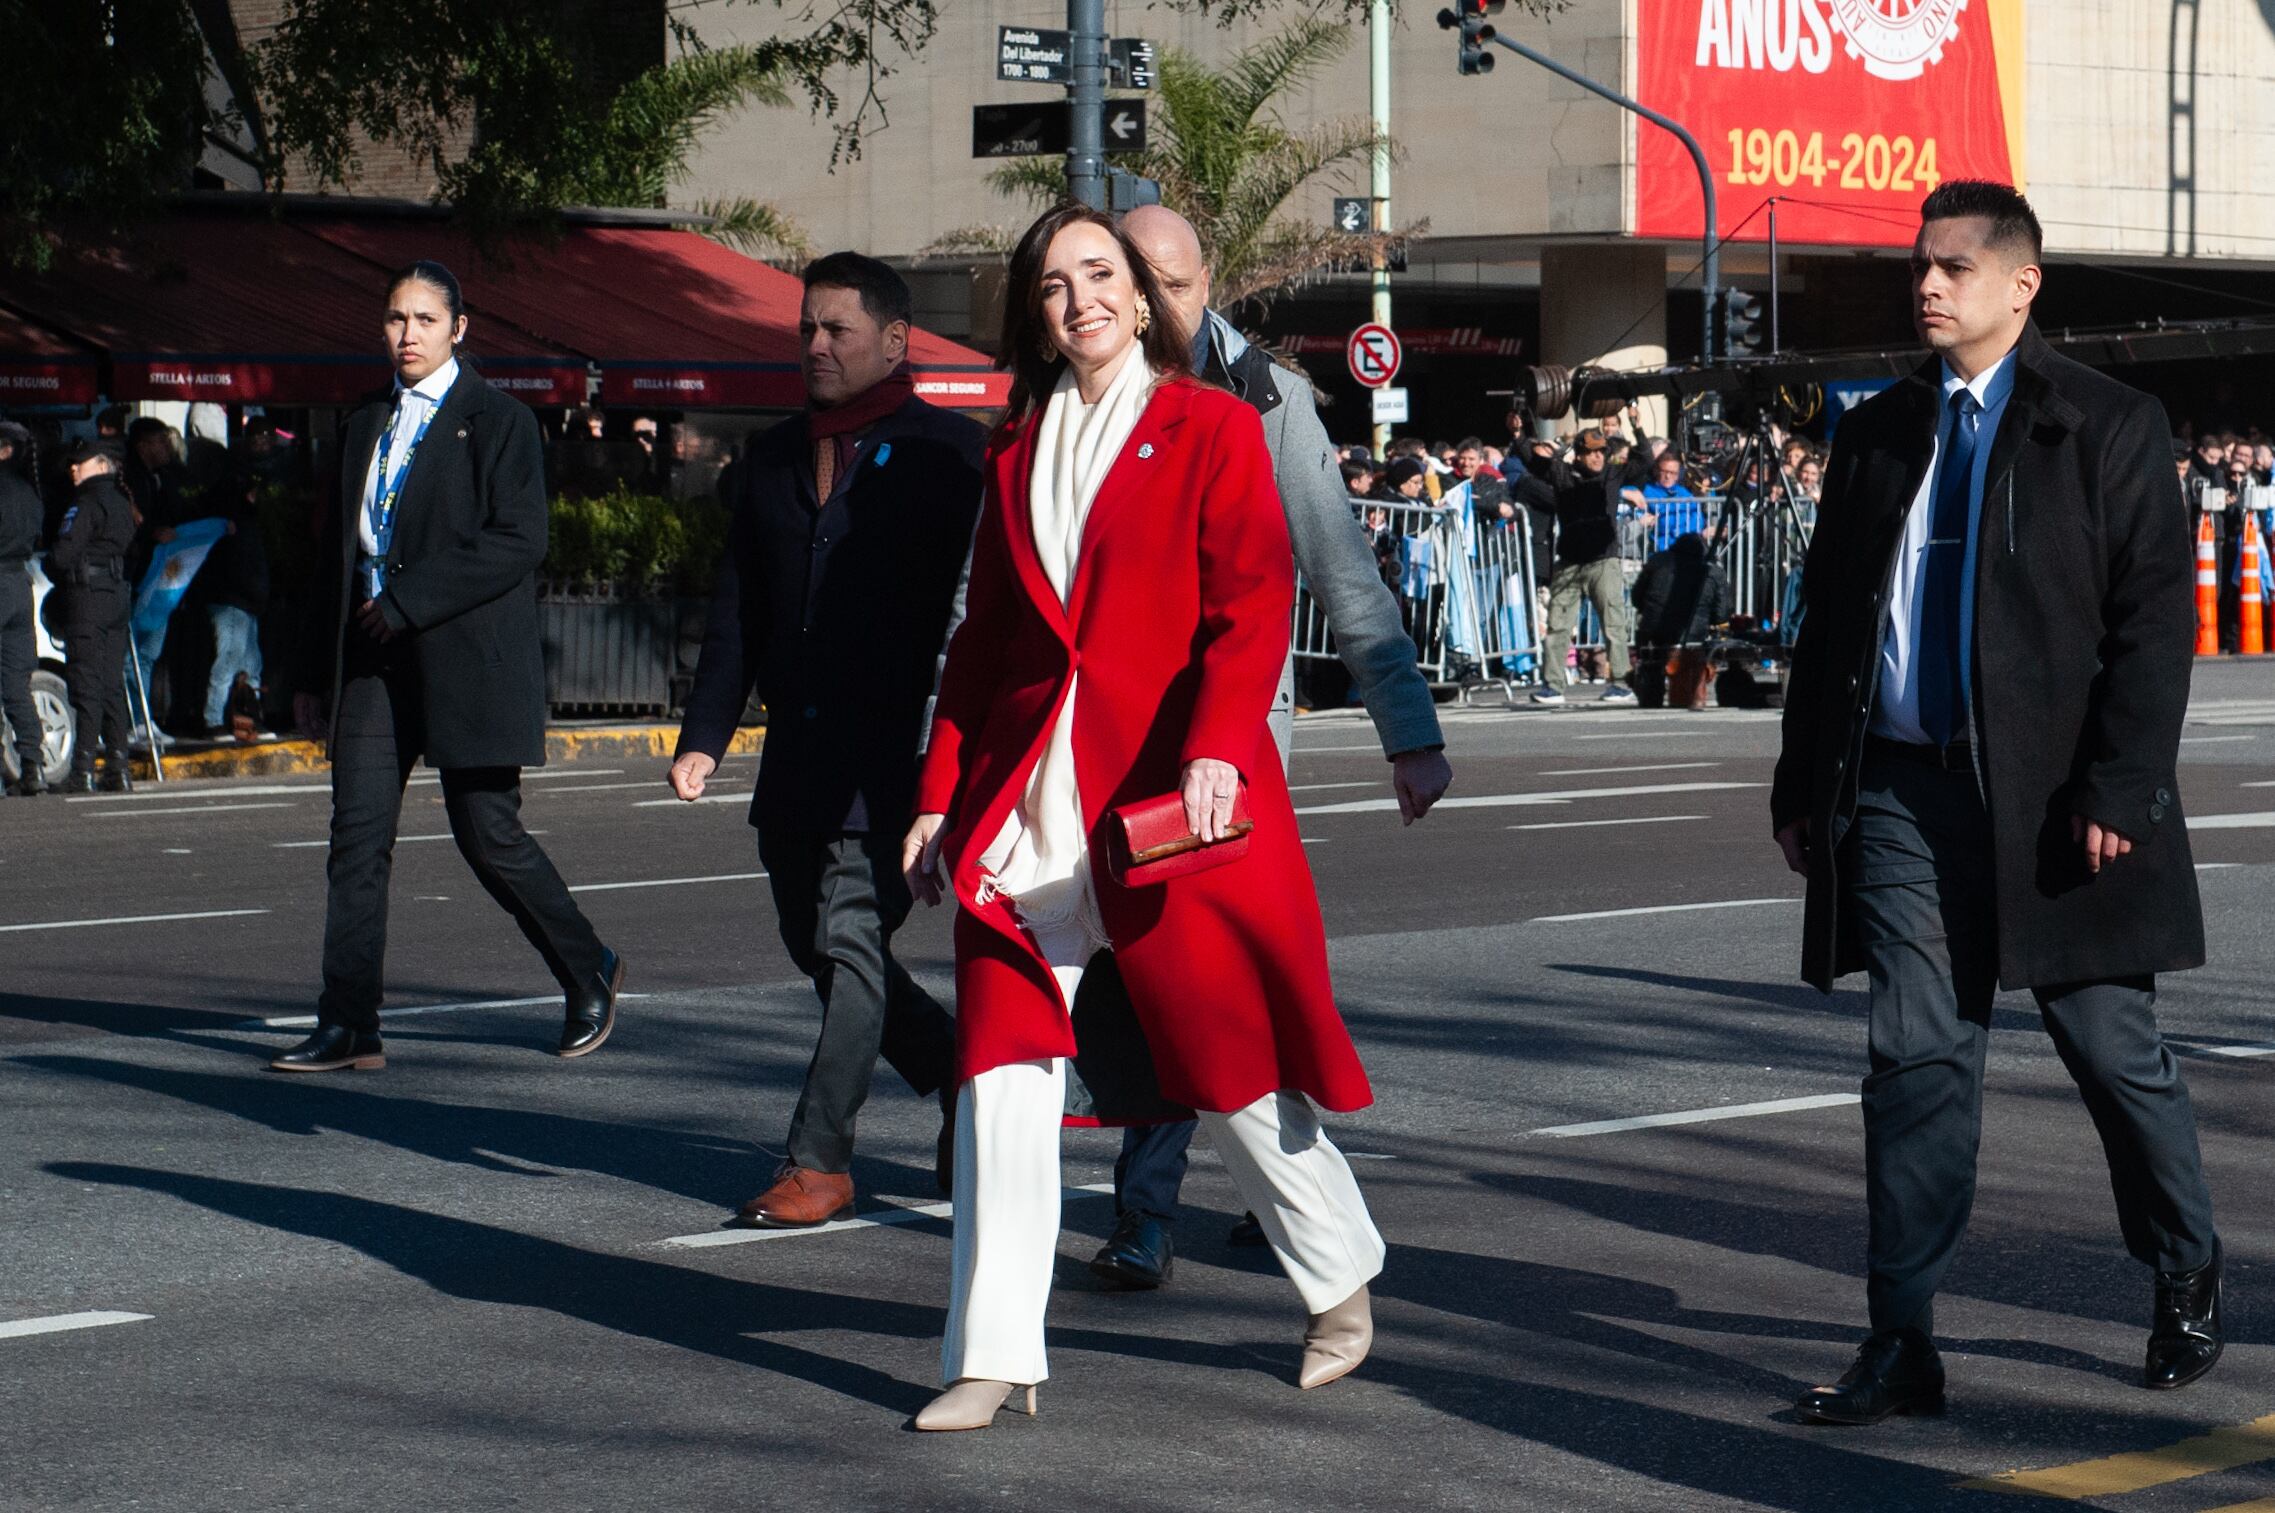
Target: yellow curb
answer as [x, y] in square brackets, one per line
[578, 744]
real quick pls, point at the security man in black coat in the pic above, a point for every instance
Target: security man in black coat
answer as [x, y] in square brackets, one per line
[432, 651]
[852, 522]
[87, 565]
[19, 637]
[1982, 729]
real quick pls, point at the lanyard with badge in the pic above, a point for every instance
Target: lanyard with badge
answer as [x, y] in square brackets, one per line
[390, 490]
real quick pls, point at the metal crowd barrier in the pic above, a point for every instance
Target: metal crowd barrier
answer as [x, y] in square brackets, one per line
[1465, 591]
[1469, 592]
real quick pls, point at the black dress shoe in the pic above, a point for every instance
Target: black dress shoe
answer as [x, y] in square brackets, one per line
[114, 779]
[1896, 1371]
[332, 1048]
[28, 786]
[1247, 1232]
[77, 782]
[592, 1011]
[1139, 1256]
[2185, 1339]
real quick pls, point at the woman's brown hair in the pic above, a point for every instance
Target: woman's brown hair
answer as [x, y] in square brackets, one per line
[1026, 335]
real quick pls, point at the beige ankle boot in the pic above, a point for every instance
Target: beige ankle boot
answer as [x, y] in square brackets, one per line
[971, 1404]
[1337, 1340]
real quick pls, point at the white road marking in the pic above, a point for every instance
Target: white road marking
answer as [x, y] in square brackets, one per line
[228, 790]
[1329, 750]
[1589, 772]
[666, 882]
[1729, 903]
[2213, 740]
[2234, 1051]
[115, 814]
[602, 787]
[1647, 819]
[1520, 800]
[2256, 785]
[1638, 735]
[1700, 1115]
[128, 919]
[178, 851]
[308, 1021]
[400, 840]
[902, 1212]
[708, 798]
[57, 1323]
[572, 772]
[2264, 820]
[1323, 787]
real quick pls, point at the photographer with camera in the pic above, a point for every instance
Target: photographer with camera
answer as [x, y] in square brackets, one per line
[1588, 519]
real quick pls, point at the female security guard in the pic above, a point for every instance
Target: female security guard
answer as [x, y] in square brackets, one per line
[434, 653]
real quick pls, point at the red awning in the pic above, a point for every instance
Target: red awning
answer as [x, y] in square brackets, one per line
[40, 367]
[673, 319]
[237, 308]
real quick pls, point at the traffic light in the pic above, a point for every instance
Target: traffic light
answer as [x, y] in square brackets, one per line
[1741, 322]
[1476, 35]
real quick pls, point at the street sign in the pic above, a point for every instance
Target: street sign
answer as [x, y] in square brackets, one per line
[1131, 60]
[1389, 407]
[1025, 131]
[1373, 354]
[1029, 55]
[1353, 216]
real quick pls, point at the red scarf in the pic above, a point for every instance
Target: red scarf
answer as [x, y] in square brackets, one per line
[833, 429]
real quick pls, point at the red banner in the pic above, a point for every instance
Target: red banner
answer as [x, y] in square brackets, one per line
[774, 386]
[322, 381]
[33, 381]
[1848, 111]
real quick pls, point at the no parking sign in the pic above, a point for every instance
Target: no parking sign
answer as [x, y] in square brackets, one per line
[1373, 354]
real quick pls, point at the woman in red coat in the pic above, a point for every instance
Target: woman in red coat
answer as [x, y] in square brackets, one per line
[1127, 618]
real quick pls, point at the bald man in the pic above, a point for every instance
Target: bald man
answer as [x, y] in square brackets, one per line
[1369, 637]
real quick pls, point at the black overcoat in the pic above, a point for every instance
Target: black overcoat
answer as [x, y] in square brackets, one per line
[470, 531]
[835, 611]
[2084, 640]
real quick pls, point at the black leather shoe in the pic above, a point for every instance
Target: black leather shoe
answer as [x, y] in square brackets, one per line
[114, 779]
[28, 786]
[1896, 1371]
[592, 1011]
[2185, 1339]
[77, 782]
[333, 1048]
[1139, 1256]
[1247, 1232]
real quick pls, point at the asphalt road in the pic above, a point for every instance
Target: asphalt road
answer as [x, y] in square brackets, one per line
[459, 1282]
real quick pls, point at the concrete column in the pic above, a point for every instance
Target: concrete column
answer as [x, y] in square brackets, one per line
[1590, 294]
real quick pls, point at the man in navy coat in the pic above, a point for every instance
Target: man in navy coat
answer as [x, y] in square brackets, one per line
[852, 522]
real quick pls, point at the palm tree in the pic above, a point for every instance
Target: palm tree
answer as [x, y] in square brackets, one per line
[1227, 162]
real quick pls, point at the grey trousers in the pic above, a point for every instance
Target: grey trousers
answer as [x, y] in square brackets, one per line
[1916, 867]
[839, 899]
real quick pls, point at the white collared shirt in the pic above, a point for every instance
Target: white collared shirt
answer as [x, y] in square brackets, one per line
[411, 406]
[1896, 709]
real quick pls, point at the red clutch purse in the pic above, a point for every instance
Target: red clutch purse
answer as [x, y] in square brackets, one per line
[1147, 842]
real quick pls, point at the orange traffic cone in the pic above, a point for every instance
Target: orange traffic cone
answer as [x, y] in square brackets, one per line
[2207, 587]
[2254, 615]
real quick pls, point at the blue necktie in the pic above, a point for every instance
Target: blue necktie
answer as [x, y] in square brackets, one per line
[1942, 685]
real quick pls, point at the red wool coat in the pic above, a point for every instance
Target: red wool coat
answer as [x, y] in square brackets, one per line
[1178, 620]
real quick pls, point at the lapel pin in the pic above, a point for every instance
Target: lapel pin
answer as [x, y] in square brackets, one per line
[884, 453]
[1146, 450]
[461, 433]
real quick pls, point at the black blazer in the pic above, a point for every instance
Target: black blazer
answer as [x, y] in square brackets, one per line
[2084, 639]
[470, 531]
[836, 613]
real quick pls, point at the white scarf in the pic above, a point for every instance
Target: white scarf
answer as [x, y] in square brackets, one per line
[1041, 857]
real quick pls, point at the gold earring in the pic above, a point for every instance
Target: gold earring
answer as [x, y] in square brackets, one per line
[1144, 315]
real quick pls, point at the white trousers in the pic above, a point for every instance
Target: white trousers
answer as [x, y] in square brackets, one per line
[1007, 1211]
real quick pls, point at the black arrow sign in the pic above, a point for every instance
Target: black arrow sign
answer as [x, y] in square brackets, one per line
[1353, 216]
[1025, 131]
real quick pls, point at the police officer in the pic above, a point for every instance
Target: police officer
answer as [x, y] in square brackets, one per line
[19, 535]
[88, 566]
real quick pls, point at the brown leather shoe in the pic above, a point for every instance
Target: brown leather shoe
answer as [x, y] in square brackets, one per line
[799, 1199]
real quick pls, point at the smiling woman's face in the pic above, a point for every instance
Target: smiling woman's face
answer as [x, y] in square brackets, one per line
[1089, 297]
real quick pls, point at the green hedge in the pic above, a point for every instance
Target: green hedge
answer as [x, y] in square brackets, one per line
[636, 540]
